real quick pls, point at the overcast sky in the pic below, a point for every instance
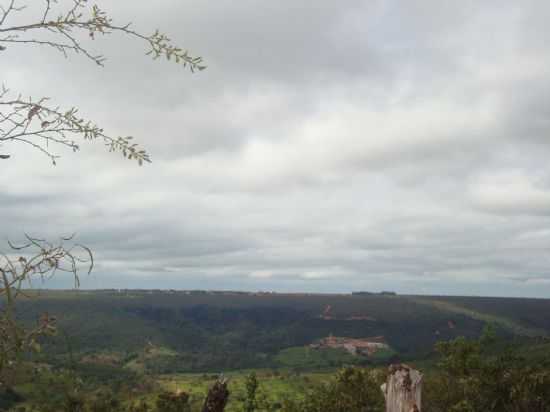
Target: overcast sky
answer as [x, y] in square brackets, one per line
[330, 146]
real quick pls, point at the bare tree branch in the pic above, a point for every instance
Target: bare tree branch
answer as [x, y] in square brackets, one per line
[34, 260]
[34, 122]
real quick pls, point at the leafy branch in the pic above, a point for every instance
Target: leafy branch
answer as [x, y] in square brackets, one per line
[34, 122]
[91, 20]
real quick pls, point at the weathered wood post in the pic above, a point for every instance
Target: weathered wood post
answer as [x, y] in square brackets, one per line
[403, 389]
[217, 397]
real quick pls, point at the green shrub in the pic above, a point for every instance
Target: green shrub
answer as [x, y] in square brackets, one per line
[173, 402]
[353, 389]
[471, 379]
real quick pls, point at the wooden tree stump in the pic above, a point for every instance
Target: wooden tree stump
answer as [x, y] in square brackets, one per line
[403, 389]
[217, 397]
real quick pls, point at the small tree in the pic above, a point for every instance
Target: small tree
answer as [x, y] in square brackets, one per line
[251, 384]
[351, 390]
[35, 259]
[67, 27]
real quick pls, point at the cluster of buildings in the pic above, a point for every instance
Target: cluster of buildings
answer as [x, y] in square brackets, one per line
[367, 346]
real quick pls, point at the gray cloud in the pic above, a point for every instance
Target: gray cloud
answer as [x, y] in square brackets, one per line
[365, 145]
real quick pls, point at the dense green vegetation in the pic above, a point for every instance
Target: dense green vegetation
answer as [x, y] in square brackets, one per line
[144, 351]
[527, 317]
[469, 375]
[472, 377]
[350, 390]
[175, 332]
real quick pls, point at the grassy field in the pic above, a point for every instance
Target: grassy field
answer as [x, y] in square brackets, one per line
[274, 388]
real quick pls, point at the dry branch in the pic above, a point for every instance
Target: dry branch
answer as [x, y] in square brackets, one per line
[34, 260]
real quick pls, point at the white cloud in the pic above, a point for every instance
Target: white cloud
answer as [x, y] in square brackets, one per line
[369, 145]
[511, 192]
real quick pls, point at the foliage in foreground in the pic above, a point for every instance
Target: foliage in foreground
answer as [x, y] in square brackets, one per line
[351, 390]
[470, 379]
[472, 375]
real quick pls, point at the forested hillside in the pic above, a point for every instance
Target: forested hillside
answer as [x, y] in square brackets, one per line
[197, 332]
[146, 350]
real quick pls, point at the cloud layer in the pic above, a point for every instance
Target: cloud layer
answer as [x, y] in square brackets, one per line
[360, 146]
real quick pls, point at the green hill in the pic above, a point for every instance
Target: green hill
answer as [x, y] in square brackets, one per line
[198, 332]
